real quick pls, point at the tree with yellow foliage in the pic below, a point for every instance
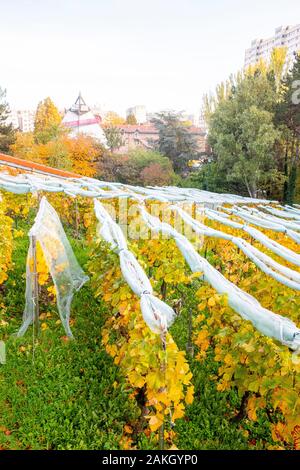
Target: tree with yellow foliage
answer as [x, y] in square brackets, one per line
[113, 119]
[278, 64]
[25, 147]
[47, 122]
[78, 154]
[84, 153]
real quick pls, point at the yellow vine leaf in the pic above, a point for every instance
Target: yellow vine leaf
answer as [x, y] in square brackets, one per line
[155, 423]
[178, 412]
[136, 379]
[189, 397]
[251, 409]
[296, 437]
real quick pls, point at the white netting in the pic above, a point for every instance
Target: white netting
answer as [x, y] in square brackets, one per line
[267, 322]
[285, 221]
[157, 315]
[282, 213]
[291, 224]
[65, 271]
[291, 209]
[262, 220]
[89, 187]
[281, 273]
[272, 245]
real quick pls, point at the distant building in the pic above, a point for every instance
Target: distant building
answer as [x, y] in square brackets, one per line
[202, 122]
[80, 120]
[150, 116]
[143, 135]
[285, 36]
[193, 118]
[139, 112]
[22, 119]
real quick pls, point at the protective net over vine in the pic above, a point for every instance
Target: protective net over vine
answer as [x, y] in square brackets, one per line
[267, 322]
[225, 265]
[157, 314]
[230, 210]
[67, 275]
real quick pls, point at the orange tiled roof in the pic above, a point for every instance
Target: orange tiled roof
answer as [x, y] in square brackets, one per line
[35, 167]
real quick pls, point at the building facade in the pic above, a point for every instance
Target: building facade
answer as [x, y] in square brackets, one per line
[144, 135]
[139, 112]
[80, 120]
[22, 119]
[285, 36]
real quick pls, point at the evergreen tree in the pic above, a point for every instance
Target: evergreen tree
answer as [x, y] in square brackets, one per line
[7, 132]
[175, 140]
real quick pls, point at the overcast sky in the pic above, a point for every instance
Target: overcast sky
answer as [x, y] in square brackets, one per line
[119, 53]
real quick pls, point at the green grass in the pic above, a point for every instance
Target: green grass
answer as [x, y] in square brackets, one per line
[65, 395]
[208, 423]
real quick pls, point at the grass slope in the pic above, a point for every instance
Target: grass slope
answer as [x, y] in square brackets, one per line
[71, 396]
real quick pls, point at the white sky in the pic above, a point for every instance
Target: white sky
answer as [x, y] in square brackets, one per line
[119, 53]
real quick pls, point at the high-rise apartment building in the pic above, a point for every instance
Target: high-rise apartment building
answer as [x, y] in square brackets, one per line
[139, 112]
[22, 119]
[285, 36]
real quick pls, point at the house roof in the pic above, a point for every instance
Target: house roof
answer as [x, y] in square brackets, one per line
[141, 128]
[150, 129]
[26, 165]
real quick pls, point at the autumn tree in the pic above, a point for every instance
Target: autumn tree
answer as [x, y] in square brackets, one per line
[47, 122]
[84, 153]
[79, 154]
[242, 134]
[275, 67]
[113, 119]
[155, 175]
[58, 154]
[25, 147]
[7, 132]
[245, 131]
[140, 167]
[278, 64]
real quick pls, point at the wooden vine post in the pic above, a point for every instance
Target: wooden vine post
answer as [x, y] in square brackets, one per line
[76, 219]
[35, 292]
[189, 346]
[163, 368]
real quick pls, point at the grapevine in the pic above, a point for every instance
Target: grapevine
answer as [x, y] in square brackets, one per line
[263, 369]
